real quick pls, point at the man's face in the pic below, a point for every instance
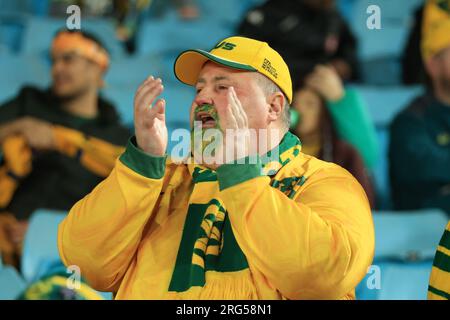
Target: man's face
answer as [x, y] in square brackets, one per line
[73, 74]
[442, 70]
[212, 87]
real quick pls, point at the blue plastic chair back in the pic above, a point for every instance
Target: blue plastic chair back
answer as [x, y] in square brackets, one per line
[385, 102]
[405, 245]
[408, 235]
[396, 281]
[40, 245]
[172, 35]
[132, 71]
[396, 17]
[122, 97]
[11, 284]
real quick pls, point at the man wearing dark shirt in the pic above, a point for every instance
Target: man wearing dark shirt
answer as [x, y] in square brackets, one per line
[420, 135]
[57, 144]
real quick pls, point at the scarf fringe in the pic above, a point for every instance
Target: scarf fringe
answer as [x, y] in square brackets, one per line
[222, 286]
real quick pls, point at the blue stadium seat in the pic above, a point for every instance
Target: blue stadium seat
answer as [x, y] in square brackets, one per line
[171, 35]
[380, 50]
[384, 103]
[34, 7]
[407, 235]
[178, 102]
[397, 281]
[40, 254]
[40, 31]
[23, 69]
[405, 245]
[12, 27]
[38, 35]
[122, 98]
[396, 19]
[131, 71]
[17, 6]
[18, 71]
[105, 30]
[40, 245]
[11, 284]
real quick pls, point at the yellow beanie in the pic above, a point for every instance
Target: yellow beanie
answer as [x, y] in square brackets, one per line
[435, 27]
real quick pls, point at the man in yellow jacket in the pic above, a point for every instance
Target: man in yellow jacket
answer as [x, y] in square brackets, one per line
[284, 226]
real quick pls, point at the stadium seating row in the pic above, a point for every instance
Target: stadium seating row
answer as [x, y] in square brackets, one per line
[30, 35]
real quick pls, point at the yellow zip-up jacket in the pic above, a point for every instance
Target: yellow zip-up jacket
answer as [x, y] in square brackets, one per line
[133, 234]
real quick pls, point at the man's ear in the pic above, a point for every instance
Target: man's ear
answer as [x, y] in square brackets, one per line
[276, 102]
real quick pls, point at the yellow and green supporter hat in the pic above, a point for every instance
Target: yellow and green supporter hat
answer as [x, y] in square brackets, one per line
[435, 27]
[238, 53]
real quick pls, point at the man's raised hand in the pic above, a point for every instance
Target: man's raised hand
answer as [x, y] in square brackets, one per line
[149, 118]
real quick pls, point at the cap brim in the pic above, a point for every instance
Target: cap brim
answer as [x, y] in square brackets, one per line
[189, 63]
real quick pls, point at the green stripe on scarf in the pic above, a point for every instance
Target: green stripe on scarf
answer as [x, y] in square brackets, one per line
[442, 261]
[438, 292]
[445, 240]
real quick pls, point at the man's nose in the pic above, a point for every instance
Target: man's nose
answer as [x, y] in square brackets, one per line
[203, 98]
[57, 65]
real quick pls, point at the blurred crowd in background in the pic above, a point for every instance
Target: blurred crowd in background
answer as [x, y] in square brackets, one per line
[374, 101]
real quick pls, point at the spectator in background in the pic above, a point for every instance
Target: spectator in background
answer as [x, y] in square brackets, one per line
[319, 102]
[57, 144]
[306, 33]
[420, 135]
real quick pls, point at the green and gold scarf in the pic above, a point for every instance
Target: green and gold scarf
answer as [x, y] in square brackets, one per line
[209, 256]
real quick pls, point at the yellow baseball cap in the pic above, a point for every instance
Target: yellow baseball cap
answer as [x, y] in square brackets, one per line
[237, 53]
[435, 27]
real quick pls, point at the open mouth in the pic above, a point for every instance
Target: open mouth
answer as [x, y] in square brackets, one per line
[208, 117]
[207, 120]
